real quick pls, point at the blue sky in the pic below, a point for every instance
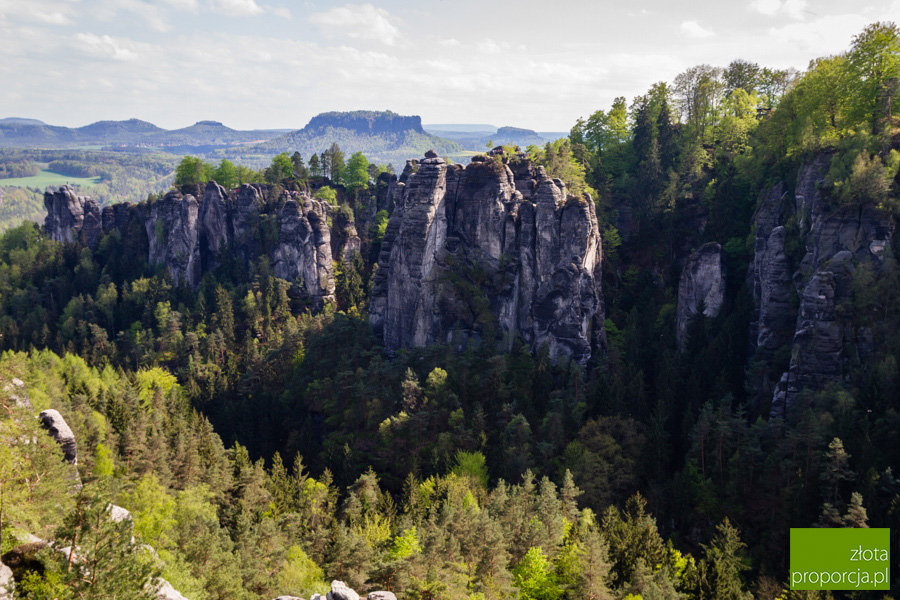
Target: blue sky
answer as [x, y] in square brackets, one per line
[277, 63]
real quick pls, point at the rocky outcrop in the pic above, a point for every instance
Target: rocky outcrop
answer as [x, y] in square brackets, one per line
[173, 232]
[341, 591]
[832, 240]
[819, 338]
[488, 252]
[303, 253]
[165, 591]
[774, 322]
[7, 583]
[191, 236]
[60, 431]
[214, 230]
[381, 596]
[14, 391]
[701, 288]
[71, 217]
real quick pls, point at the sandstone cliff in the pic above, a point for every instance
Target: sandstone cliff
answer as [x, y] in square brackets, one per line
[487, 252]
[702, 285]
[189, 235]
[806, 252]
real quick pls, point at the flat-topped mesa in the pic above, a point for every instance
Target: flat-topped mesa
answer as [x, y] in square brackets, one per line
[190, 235]
[489, 252]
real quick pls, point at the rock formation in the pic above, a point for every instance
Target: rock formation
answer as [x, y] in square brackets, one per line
[165, 591]
[702, 283]
[173, 233]
[487, 252]
[833, 241]
[71, 217]
[14, 391]
[189, 236]
[303, 252]
[60, 431]
[341, 591]
[7, 584]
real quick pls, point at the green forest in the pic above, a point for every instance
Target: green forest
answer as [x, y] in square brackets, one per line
[264, 450]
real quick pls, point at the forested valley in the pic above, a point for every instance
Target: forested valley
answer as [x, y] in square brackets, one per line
[264, 447]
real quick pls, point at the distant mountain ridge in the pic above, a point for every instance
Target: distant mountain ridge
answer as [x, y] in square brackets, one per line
[202, 136]
[478, 139]
[365, 121]
[20, 121]
[383, 136]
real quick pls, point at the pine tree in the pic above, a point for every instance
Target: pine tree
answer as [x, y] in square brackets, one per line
[594, 562]
[315, 168]
[724, 564]
[100, 561]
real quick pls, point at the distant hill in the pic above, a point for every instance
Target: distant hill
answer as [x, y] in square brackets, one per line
[383, 136]
[477, 140]
[460, 127]
[114, 130]
[204, 136]
[19, 121]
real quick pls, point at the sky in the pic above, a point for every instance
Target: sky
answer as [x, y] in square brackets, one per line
[258, 64]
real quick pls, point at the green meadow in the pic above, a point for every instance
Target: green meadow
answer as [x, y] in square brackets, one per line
[46, 177]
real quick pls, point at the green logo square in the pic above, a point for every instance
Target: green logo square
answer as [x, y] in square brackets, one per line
[840, 559]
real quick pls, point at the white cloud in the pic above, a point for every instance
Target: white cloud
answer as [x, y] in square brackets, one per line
[358, 22]
[827, 35]
[236, 8]
[695, 30]
[450, 43]
[282, 12]
[493, 47]
[189, 5]
[105, 46]
[39, 11]
[766, 7]
[794, 9]
[150, 15]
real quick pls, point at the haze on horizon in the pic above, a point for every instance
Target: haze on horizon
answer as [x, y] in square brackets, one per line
[255, 64]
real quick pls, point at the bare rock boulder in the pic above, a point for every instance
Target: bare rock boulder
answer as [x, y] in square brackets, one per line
[165, 591]
[7, 583]
[60, 431]
[341, 591]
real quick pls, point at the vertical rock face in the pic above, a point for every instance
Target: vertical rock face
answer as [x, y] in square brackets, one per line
[702, 283]
[819, 339]
[833, 240]
[173, 232]
[775, 322]
[215, 223]
[60, 431]
[486, 253]
[189, 236]
[71, 217]
[303, 252]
